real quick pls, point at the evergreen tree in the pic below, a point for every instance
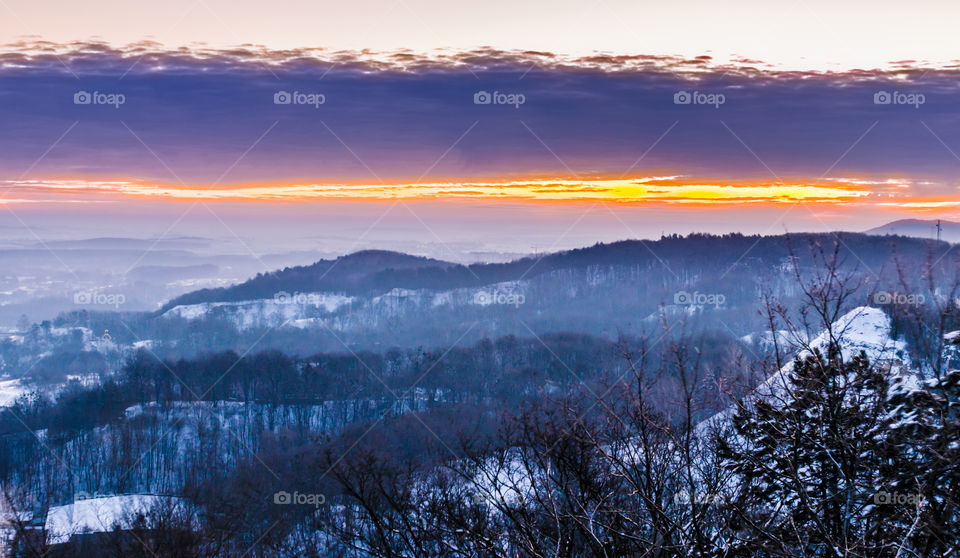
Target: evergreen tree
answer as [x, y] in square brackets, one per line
[924, 462]
[808, 459]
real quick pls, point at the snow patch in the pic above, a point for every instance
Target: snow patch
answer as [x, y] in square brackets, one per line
[265, 312]
[10, 390]
[100, 515]
[863, 329]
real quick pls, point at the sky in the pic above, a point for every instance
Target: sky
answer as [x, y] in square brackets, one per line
[800, 34]
[458, 128]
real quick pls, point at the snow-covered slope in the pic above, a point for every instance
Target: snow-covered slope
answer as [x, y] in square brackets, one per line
[306, 310]
[863, 329]
[10, 390]
[282, 308]
[99, 515]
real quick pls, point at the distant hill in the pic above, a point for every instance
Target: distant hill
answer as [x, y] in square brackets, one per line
[353, 273]
[672, 259]
[920, 228]
[119, 243]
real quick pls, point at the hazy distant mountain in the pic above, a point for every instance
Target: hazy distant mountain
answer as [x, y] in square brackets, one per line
[120, 243]
[379, 298]
[694, 257]
[41, 279]
[159, 273]
[351, 273]
[920, 228]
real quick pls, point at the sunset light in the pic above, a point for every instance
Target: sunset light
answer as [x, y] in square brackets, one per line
[498, 279]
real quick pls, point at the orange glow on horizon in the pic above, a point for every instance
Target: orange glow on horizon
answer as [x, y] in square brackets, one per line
[668, 189]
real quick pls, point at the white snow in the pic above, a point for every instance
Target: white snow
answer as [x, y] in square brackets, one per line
[863, 329]
[10, 390]
[337, 311]
[265, 312]
[784, 338]
[99, 515]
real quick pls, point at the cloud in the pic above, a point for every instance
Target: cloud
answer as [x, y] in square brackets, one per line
[208, 118]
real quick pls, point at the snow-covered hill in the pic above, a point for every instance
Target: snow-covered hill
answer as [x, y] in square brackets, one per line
[282, 308]
[343, 312]
[862, 330]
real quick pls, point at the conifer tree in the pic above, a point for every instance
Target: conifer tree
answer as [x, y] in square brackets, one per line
[807, 456]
